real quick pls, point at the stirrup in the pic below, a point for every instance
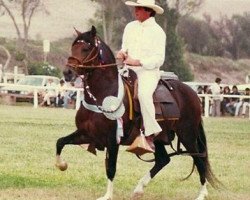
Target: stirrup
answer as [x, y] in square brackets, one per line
[140, 145]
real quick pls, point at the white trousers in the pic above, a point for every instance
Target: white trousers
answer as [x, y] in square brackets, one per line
[244, 107]
[47, 97]
[147, 83]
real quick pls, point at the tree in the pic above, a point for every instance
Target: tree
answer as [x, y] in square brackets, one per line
[239, 27]
[174, 60]
[174, 45]
[7, 61]
[27, 9]
[111, 21]
[181, 7]
[173, 10]
[199, 37]
[232, 35]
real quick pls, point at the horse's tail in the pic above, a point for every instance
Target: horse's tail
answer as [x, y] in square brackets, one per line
[202, 147]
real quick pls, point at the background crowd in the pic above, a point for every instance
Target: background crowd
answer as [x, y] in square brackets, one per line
[222, 103]
[64, 96]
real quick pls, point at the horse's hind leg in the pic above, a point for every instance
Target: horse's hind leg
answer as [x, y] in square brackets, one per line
[199, 146]
[75, 138]
[161, 160]
[200, 164]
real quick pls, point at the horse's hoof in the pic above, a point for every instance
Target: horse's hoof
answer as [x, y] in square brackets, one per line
[136, 195]
[62, 166]
[201, 197]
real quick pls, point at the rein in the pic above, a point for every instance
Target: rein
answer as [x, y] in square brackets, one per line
[92, 66]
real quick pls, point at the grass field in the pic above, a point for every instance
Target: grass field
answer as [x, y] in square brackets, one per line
[27, 157]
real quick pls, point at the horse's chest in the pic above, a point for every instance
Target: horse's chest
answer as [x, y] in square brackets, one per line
[98, 125]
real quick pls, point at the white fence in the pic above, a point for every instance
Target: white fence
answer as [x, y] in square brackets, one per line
[209, 97]
[35, 91]
[13, 77]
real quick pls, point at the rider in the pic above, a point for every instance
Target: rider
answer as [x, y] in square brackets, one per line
[143, 50]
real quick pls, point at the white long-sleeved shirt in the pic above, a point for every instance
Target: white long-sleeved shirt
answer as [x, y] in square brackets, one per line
[215, 88]
[146, 42]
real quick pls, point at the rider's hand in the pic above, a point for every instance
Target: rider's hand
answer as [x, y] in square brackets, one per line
[121, 55]
[132, 62]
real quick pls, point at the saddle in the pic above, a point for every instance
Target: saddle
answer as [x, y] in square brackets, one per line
[166, 107]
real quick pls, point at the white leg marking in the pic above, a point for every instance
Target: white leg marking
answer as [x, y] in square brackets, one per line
[203, 192]
[62, 165]
[109, 193]
[142, 183]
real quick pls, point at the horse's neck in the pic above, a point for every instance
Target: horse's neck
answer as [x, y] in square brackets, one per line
[102, 83]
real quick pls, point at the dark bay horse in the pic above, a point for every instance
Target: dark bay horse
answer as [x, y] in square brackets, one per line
[92, 58]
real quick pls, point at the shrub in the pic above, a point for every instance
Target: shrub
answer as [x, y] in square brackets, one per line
[39, 68]
[19, 56]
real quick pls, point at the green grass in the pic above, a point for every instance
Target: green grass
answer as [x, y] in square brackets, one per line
[27, 157]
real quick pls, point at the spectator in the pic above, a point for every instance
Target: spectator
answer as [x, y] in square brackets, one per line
[244, 103]
[233, 101]
[49, 93]
[216, 91]
[200, 90]
[207, 90]
[70, 96]
[225, 101]
[61, 94]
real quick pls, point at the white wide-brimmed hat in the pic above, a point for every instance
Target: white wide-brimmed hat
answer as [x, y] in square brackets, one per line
[146, 3]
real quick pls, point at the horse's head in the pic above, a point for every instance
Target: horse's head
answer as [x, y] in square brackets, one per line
[89, 51]
[83, 52]
[85, 49]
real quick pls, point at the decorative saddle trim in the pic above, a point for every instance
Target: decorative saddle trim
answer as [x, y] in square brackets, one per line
[130, 101]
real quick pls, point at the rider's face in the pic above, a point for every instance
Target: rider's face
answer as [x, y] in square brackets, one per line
[141, 14]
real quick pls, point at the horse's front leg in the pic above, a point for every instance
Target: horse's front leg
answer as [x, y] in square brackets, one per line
[111, 160]
[75, 139]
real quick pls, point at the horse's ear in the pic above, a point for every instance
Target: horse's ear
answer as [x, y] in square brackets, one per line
[78, 32]
[93, 31]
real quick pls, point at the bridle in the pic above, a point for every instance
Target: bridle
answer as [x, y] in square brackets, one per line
[96, 51]
[83, 63]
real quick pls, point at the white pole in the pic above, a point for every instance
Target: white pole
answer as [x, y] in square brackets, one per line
[5, 79]
[206, 106]
[15, 74]
[1, 73]
[35, 98]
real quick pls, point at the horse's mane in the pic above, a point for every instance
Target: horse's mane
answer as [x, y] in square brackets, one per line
[108, 52]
